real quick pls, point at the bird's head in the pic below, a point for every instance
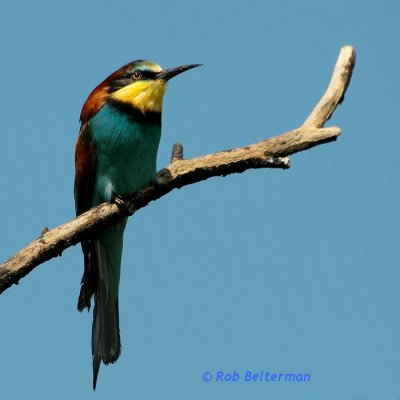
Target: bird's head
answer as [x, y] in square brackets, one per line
[141, 84]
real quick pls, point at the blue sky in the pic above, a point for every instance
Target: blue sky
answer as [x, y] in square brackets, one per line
[269, 270]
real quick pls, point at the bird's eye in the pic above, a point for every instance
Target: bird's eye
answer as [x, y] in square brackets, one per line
[136, 75]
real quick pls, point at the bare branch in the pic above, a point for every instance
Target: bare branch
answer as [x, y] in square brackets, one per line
[334, 95]
[269, 153]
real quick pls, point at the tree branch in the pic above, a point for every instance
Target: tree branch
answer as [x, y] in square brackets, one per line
[269, 153]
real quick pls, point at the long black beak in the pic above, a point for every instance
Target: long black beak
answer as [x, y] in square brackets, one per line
[170, 73]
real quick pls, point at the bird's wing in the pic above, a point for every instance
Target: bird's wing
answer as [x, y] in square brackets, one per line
[85, 167]
[85, 175]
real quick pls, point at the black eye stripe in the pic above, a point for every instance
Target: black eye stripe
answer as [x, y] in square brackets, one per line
[146, 74]
[128, 79]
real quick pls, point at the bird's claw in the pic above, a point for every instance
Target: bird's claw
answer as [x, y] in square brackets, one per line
[119, 201]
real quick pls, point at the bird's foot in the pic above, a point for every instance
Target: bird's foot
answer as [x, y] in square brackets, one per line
[120, 201]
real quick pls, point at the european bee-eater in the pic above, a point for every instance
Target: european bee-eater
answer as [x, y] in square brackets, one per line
[115, 156]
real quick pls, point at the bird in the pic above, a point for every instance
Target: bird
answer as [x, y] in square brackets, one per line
[115, 156]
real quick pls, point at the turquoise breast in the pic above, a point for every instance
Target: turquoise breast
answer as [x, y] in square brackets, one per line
[126, 152]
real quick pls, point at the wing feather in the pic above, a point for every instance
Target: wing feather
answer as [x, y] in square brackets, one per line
[84, 170]
[85, 167]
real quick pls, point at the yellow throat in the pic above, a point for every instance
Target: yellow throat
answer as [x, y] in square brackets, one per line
[146, 95]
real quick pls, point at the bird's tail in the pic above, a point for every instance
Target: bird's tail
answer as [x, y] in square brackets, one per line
[103, 271]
